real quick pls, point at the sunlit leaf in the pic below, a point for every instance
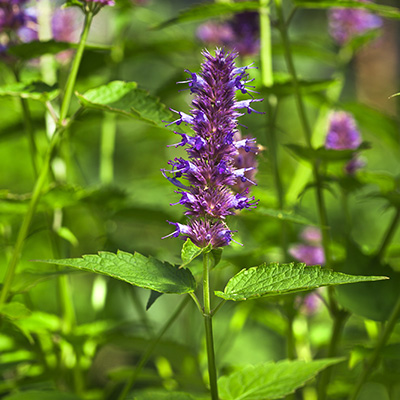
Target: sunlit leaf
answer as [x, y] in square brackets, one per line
[15, 310]
[35, 90]
[205, 11]
[283, 215]
[189, 252]
[152, 394]
[127, 99]
[138, 270]
[276, 279]
[383, 10]
[41, 395]
[270, 380]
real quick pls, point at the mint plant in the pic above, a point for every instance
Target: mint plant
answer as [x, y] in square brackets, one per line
[284, 214]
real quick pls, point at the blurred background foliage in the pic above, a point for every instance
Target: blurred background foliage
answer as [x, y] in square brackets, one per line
[111, 196]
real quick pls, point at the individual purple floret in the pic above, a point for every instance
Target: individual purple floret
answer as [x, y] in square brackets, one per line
[311, 235]
[354, 165]
[347, 23]
[213, 147]
[343, 133]
[240, 33]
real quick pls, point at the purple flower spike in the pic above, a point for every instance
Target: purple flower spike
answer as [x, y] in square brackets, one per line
[347, 23]
[342, 133]
[213, 149]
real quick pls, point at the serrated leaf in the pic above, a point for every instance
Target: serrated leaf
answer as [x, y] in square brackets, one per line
[125, 98]
[270, 380]
[205, 11]
[136, 269]
[15, 310]
[383, 10]
[283, 215]
[276, 279]
[35, 90]
[41, 395]
[189, 252]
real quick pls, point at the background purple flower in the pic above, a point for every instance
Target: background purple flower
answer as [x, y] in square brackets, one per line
[343, 133]
[310, 253]
[241, 33]
[347, 23]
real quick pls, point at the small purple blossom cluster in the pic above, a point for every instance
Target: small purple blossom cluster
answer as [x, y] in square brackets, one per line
[102, 2]
[210, 170]
[347, 23]
[310, 253]
[241, 33]
[343, 134]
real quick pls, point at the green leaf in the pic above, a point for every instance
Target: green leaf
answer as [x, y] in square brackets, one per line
[41, 395]
[189, 252]
[283, 86]
[34, 49]
[276, 279]
[372, 300]
[125, 98]
[152, 298]
[205, 11]
[136, 269]
[270, 380]
[283, 215]
[384, 11]
[151, 394]
[323, 154]
[35, 90]
[15, 310]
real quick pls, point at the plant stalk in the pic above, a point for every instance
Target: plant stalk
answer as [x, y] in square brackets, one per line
[389, 234]
[69, 86]
[151, 348]
[212, 369]
[373, 360]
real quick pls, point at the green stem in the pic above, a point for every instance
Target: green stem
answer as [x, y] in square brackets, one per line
[69, 86]
[151, 348]
[267, 78]
[108, 132]
[212, 370]
[23, 231]
[373, 360]
[389, 234]
[323, 218]
[325, 377]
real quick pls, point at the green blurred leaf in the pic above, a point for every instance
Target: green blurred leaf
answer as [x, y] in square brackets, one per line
[125, 98]
[276, 279]
[270, 380]
[383, 10]
[36, 48]
[35, 90]
[136, 269]
[41, 395]
[15, 310]
[283, 215]
[283, 86]
[151, 394]
[205, 11]
[189, 252]
[372, 300]
[323, 154]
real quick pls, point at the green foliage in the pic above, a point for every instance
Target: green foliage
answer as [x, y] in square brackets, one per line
[189, 252]
[383, 10]
[127, 99]
[42, 395]
[136, 269]
[270, 380]
[204, 11]
[283, 215]
[34, 90]
[275, 279]
[14, 310]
